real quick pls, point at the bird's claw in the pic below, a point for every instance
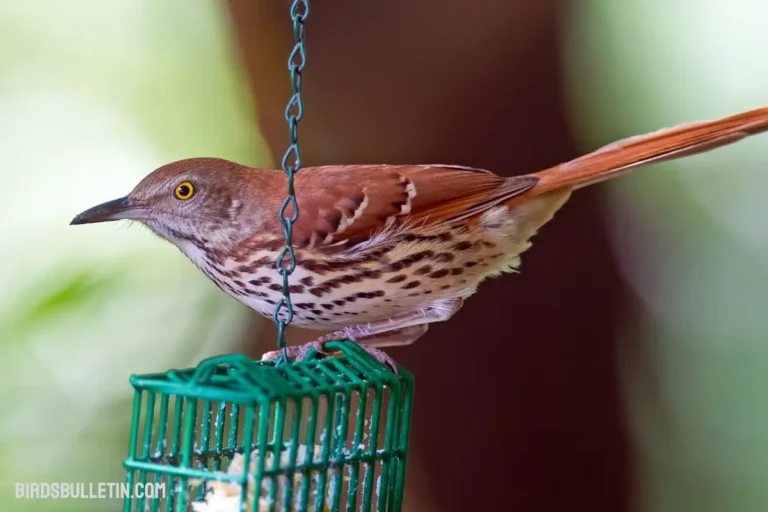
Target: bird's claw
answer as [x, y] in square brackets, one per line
[345, 334]
[317, 346]
[300, 353]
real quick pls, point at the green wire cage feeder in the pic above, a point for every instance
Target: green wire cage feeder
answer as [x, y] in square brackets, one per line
[235, 434]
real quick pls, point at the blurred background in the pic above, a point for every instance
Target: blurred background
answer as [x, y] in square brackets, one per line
[631, 353]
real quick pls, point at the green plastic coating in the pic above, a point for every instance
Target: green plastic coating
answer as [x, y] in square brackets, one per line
[317, 435]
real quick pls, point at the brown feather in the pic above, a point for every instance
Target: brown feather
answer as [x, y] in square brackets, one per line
[349, 204]
[662, 145]
[342, 205]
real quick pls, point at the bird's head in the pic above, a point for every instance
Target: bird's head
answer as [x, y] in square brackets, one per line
[199, 200]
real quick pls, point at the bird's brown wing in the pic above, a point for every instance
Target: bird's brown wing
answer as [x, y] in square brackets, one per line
[343, 205]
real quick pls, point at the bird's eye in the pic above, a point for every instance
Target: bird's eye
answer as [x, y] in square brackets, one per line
[184, 190]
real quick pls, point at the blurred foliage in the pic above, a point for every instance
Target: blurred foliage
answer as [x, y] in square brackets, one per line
[691, 240]
[93, 96]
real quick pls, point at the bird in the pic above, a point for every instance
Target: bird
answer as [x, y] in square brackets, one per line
[382, 251]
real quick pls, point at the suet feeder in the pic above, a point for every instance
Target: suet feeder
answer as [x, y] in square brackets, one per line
[325, 434]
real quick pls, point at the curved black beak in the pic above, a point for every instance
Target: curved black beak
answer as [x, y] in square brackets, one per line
[117, 209]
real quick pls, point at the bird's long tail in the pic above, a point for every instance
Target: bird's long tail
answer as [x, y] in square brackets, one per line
[667, 144]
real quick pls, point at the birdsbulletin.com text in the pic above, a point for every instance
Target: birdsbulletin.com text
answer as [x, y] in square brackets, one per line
[89, 490]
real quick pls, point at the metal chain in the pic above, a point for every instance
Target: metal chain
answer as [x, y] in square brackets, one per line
[291, 164]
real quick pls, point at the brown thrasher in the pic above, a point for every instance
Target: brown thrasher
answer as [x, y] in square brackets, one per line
[381, 250]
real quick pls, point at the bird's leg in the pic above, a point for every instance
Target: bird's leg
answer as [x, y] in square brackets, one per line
[369, 343]
[396, 331]
[394, 338]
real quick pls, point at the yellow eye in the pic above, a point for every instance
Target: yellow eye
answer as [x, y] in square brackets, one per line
[184, 190]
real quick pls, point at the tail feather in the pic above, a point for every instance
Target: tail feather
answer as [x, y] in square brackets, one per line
[666, 144]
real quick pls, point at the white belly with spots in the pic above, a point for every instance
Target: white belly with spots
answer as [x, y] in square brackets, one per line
[333, 292]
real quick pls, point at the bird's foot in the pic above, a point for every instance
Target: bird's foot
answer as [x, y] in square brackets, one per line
[300, 352]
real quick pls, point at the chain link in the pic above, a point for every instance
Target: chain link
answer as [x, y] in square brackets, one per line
[286, 261]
